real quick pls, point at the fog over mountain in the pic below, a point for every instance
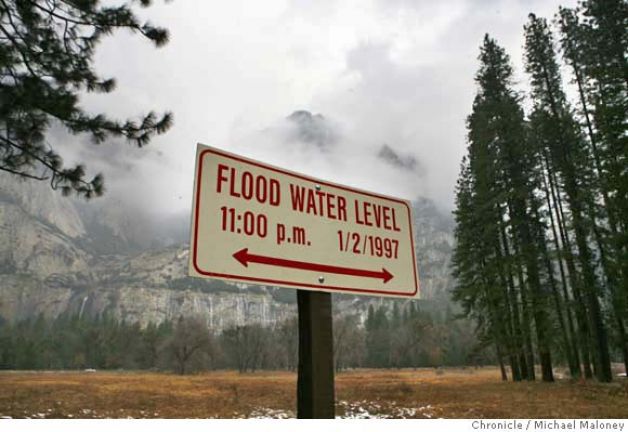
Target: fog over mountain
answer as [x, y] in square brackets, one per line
[380, 73]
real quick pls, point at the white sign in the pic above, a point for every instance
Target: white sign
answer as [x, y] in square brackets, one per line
[260, 224]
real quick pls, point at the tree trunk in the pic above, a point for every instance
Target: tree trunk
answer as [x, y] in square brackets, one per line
[539, 310]
[570, 335]
[581, 311]
[526, 325]
[600, 340]
[502, 368]
[517, 339]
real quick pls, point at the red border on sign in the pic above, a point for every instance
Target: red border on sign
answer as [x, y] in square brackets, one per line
[280, 282]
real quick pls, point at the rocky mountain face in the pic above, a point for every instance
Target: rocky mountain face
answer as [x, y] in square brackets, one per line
[61, 255]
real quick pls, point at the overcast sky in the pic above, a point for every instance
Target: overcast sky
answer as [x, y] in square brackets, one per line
[394, 72]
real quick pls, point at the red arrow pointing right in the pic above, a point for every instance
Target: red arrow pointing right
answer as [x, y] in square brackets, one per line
[244, 257]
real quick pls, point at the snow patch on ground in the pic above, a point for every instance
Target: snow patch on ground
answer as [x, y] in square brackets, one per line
[363, 409]
[377, 409]
[268, 413]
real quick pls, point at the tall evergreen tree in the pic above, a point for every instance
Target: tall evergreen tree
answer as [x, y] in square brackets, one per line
[595, 43]
[496, 195]
[594, 39]
[605, 27]
[568, 160]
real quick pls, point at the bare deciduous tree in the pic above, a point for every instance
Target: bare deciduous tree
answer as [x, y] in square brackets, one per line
[349, 342]
[190, 347]
[246, 346]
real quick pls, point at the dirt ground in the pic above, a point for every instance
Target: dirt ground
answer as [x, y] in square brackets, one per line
[426, 393]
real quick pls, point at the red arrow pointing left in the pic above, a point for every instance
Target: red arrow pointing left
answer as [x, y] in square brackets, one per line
[244, 257]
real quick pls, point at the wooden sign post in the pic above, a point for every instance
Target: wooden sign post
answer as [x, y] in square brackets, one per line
[315, 383]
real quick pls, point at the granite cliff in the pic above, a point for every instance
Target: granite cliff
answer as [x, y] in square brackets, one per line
[61, 255]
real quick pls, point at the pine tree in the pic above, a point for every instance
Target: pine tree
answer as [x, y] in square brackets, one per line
[46, 63]
[497, 223]
[594, 40]
[602, 35]
[569, 161]
[469, 262]
[605, 27]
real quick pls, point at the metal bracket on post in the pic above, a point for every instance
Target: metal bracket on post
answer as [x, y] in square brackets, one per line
[315, 384]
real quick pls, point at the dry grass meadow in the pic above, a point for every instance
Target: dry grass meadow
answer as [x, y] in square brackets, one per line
[447, 393]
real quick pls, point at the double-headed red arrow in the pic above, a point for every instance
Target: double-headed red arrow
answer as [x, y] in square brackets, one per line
[244, 257]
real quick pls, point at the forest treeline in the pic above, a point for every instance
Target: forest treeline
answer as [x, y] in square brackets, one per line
[541, 256]
[390, 336]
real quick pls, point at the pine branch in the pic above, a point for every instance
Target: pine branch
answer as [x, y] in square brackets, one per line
[22, 174]
[52, 163]
[47, 59]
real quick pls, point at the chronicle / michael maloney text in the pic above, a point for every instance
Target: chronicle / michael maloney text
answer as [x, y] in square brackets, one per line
[549, 425]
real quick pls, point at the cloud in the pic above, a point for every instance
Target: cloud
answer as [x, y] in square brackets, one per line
[380, 72]
[416, 109]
